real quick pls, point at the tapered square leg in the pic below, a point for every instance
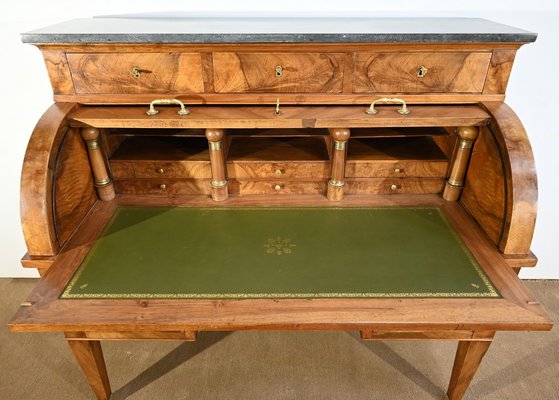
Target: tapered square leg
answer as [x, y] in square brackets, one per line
[90, 357]
[468, 357]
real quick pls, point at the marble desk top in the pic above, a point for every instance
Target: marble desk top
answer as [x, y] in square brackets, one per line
[164, 28]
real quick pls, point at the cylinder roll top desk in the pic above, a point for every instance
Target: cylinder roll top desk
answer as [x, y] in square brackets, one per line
[305, 174]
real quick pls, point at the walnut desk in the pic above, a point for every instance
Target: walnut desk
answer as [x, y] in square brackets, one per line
[230, 174]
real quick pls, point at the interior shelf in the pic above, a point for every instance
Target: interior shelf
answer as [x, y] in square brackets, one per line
[397, 148]
[171, 148]
[311, 148]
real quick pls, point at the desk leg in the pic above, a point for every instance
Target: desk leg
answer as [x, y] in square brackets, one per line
[466, 363]
[90, 357]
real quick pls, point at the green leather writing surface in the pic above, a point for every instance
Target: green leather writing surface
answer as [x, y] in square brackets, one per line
[151, 252]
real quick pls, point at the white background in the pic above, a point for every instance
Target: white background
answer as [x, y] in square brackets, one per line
[533, 91]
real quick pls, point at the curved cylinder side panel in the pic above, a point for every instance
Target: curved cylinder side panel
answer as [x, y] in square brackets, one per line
[485, 194]
[37, 178]
[520, 178]
[74, 189]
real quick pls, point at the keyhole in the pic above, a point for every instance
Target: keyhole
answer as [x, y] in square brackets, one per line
[279, 70]
[422, 71]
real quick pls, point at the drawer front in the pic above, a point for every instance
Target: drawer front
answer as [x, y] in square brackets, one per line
[394, 186]
[163, 187]
[395, 168]
[106, 73]
[277, 187]
[160, 169]
[278, 72]
[400, 72]
[293, 170]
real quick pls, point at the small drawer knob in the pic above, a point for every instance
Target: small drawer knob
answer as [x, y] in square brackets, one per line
[394, 187]
[162, 186]
[278, 188]
[160, 170]
[279, 171]
[398, 170]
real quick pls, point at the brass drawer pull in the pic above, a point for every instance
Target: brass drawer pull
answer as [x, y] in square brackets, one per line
[404, 110]
[162, 186]
[279, 171]
[153, 111]
[160, 170]
[279, 70]
[398, 170]
[422, 71]
[394, 187]
[278, 188]
[136, 72]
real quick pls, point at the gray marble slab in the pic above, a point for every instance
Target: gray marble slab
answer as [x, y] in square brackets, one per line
[179, 29]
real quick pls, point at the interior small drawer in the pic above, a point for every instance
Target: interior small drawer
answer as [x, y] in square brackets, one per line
[395, 168]
[418, 72]
[292, 170]
[278, 72]
[163, 187]
[276, 187]
[394, 186]
[113, 73]
[160, 169]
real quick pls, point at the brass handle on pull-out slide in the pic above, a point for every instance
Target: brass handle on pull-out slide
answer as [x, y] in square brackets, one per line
[153, 111]
[388, 100]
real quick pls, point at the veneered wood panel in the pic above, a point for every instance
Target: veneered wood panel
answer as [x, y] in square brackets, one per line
[394, 185]
[163, 186]
[286, 98]
[278, 170]
[484, 193]
[499, 71]
[291, 117]
[59, 72]
[160, 169]
[256, 72]
[74, 192]
[158, 73]
[279, 187]
[398, 72]
[396, 168]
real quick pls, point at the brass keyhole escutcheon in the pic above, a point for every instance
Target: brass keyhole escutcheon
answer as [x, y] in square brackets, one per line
[422, 71]
[136, 72]
[279, 70]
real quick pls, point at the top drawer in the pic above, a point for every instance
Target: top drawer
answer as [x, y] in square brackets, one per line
[106, 73]
[278, 72]
[420, 72]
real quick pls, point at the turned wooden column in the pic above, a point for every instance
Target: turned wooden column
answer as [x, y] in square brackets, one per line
[101, 179]
[89, 355]
[455, 182]
[217, 159]
[336, 184]
[468, 357]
